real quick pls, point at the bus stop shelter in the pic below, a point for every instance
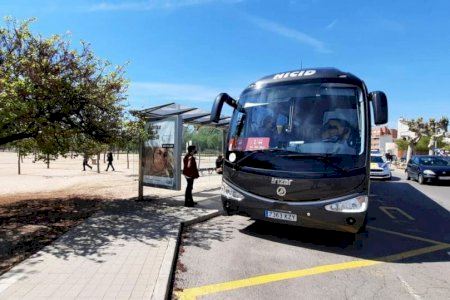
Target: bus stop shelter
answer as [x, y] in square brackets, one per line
[160, 155]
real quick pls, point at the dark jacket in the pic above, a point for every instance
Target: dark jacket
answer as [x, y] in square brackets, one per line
[190, 167]
[109, 157]
[219, 163]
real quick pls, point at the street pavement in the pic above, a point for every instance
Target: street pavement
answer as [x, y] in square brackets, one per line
[123, 252]
[405, 253]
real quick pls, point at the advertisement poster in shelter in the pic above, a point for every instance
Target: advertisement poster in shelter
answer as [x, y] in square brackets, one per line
[161, 154]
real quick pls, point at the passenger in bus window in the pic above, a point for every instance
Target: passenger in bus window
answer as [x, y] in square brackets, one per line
[267, 127]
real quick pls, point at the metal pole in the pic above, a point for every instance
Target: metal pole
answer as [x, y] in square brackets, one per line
[141, 173]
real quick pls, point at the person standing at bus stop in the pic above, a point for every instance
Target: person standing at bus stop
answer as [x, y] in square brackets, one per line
[190, 171]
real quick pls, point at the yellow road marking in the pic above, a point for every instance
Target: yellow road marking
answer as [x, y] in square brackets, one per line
[193, 293]
[408, 236]
[386, 209]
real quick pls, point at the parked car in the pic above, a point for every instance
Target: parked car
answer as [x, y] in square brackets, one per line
[379, 167]
[428, 168]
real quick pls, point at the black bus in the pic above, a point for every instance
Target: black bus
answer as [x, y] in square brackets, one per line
[298, 149]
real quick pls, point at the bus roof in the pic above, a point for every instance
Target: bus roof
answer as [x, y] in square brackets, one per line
[307, 74]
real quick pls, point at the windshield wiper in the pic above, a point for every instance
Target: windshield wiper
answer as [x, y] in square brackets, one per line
[326, 158]
[237, 165]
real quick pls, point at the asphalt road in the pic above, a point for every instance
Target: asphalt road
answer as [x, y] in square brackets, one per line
[404, 255]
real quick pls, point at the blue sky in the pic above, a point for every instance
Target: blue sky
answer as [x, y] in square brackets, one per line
[190, 50]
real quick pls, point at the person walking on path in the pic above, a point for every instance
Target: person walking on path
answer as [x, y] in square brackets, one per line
[86, 162]
[109, 158]
[190, 171]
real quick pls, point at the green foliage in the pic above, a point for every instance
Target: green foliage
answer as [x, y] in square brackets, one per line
[422, 128]
[54, 95]
[206, 138]
[132, 132]
[402, 144]
[422, 145]
[446, 146]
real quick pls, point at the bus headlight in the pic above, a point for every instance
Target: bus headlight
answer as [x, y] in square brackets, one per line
[231, 193]
[429, 172]
[354, 205]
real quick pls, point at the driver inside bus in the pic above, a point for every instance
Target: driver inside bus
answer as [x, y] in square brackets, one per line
[336, 131]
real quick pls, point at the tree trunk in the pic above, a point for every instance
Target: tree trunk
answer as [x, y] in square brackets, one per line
[18, 163]
[48, 161]
[199, 157]
[117, 154]
[98, 162]
[104, 157]
[409, 152]
[128, 160]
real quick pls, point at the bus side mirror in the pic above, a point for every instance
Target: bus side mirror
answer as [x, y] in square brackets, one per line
[380, 107]
[218, 104]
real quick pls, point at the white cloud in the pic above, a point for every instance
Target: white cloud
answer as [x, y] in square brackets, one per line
[293, 34]
[152, 4]
[163, 91]
[331, 25]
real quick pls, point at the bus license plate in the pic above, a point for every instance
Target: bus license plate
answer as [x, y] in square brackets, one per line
[281, 216]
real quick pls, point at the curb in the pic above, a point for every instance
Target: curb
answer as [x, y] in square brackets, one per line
[163, 286]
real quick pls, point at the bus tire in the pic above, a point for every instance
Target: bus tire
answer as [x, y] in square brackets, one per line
[363, 228]
[227, 210]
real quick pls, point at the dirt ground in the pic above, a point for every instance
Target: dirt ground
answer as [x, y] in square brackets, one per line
[41, 204]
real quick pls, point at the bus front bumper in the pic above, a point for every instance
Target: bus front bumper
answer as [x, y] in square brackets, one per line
[311, 214]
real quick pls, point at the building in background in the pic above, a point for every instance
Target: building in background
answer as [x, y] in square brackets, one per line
[383, 140]
[403, 130]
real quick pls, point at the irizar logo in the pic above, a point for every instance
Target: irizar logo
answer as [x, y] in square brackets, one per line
[281, 191]
[281, 181]
[295, 74]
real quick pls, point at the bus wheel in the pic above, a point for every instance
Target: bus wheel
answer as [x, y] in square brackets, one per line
[363, 228]
[228, 211]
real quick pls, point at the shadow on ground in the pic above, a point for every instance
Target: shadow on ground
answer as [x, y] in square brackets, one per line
[87, 227]
[28, 226]
[431, 221]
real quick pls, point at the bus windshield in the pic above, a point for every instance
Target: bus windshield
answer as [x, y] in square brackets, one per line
[318, 118]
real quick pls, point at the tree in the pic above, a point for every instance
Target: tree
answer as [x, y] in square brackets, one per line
[402, 144]
[437, 129]
[53, 94]
[132, 133]
[420, 128]
[206, 138]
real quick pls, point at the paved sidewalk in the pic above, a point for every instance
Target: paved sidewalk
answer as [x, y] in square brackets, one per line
[116, 254]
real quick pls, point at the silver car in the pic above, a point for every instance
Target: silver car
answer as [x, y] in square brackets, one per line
[379, 167]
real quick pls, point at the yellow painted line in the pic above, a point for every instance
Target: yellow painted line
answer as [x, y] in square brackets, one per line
[407, 236]
[193, 293]
[386, 209]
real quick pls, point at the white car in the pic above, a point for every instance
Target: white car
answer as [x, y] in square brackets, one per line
[379, 167]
